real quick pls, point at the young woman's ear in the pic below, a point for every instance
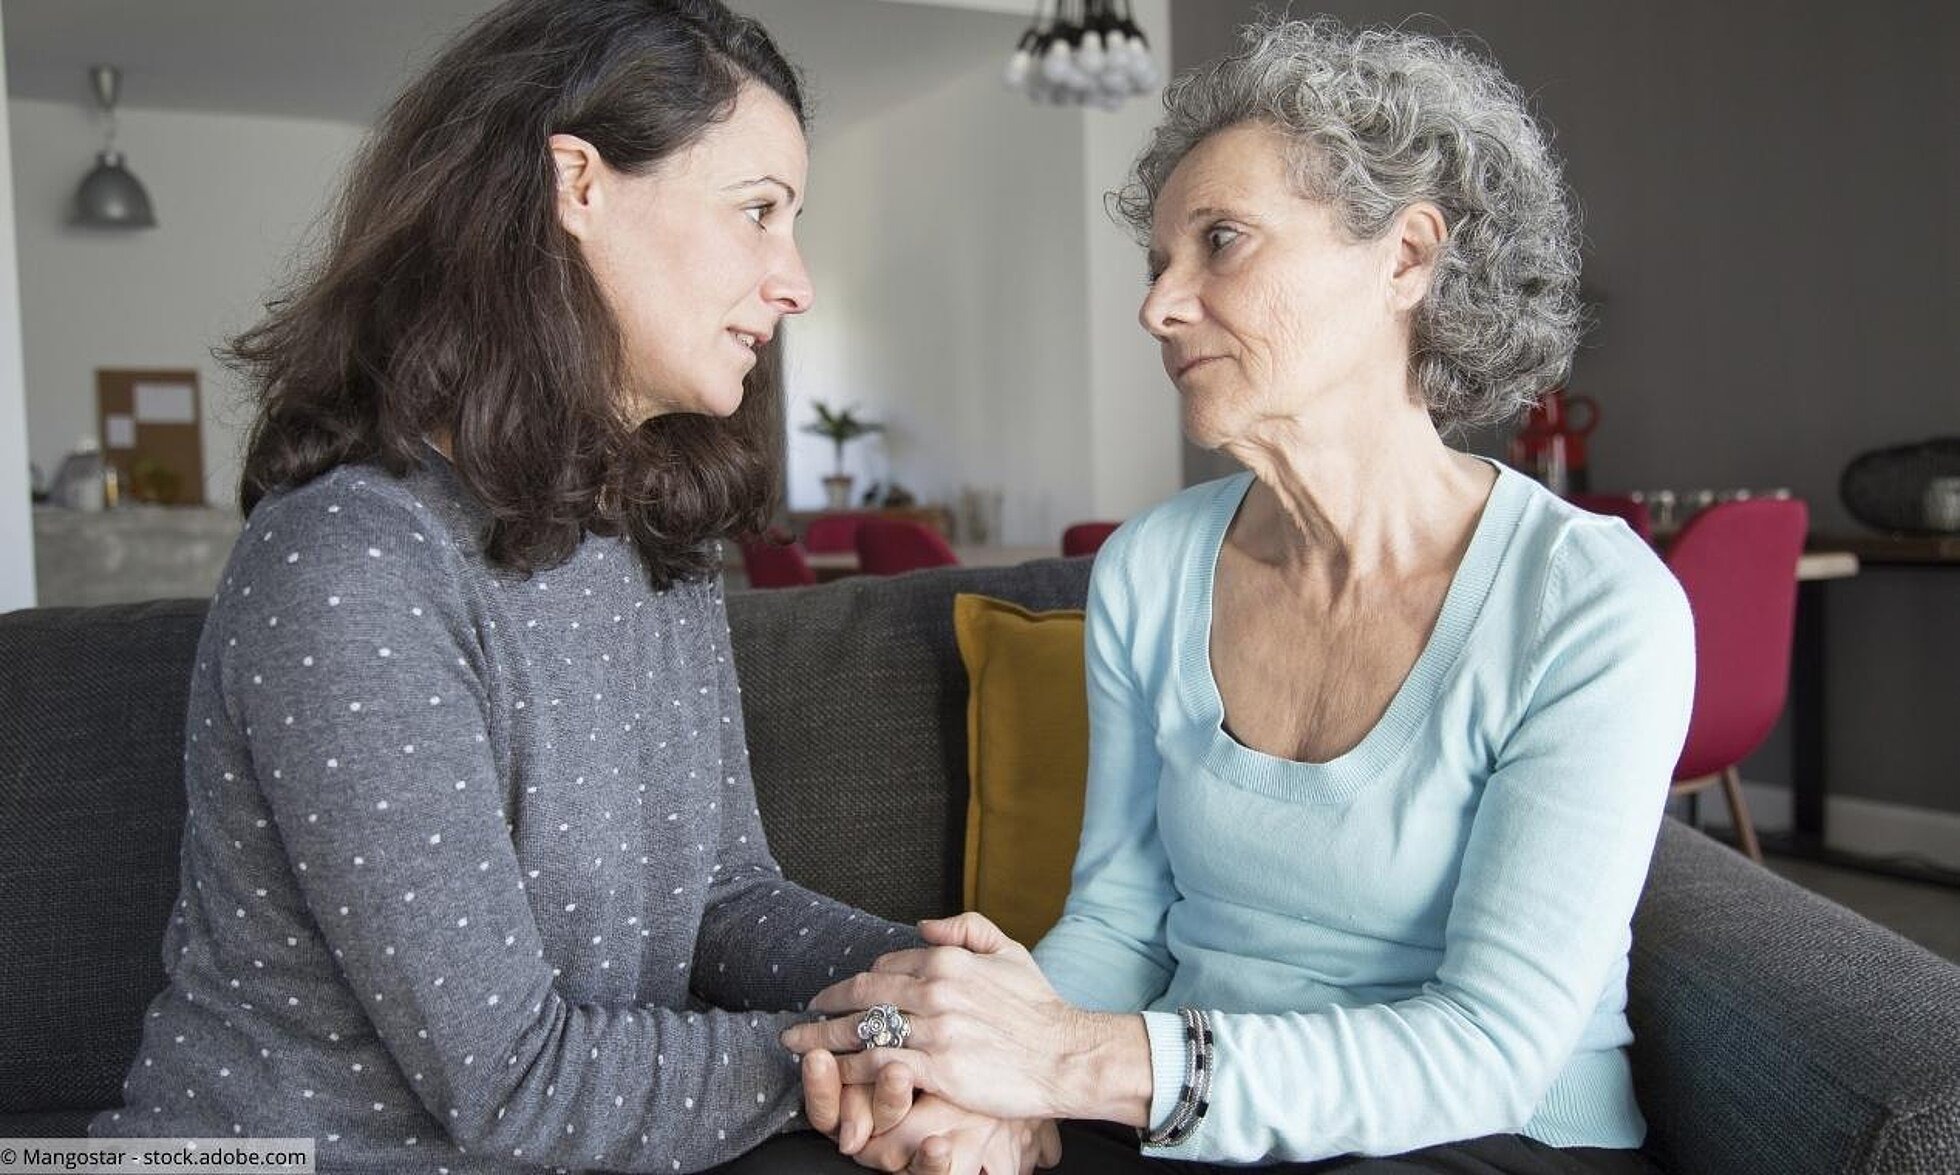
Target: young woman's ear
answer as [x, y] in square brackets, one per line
[580, 193]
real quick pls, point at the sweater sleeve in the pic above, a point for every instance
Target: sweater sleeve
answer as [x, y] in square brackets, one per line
[354, 669]
[1540, 916]
[1108, 952]
[767, 942]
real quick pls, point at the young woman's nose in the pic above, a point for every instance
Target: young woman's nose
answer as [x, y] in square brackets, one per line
[788, 286]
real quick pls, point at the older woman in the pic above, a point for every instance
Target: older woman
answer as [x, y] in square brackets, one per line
[1380, 731]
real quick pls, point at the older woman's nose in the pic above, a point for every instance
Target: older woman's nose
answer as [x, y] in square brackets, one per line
[1168, 305]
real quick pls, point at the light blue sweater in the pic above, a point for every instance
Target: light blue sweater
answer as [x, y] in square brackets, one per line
[1425, 939]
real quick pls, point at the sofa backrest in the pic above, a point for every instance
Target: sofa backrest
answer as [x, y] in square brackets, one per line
[853, 693]
[1775, 1034]
[91, 810]
[855, 699]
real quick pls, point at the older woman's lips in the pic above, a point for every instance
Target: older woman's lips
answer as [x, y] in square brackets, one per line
[1185, 367]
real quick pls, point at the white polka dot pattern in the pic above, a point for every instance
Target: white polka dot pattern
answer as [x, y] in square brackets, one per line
[462, 869]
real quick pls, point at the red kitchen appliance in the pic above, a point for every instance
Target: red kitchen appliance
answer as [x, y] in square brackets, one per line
[1551, 444]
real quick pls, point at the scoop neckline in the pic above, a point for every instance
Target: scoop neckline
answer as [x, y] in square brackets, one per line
[1339, 778]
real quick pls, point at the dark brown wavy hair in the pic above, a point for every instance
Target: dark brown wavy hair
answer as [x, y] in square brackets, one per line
[450, 300]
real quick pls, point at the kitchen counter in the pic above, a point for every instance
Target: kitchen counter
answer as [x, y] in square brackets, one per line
[130, 553]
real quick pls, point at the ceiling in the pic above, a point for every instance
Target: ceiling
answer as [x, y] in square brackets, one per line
[342, 60]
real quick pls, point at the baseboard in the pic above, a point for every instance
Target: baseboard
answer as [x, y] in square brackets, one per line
[1870, 828]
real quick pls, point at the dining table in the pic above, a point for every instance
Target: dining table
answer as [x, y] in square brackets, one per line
[1809, 674]
[1808, 707]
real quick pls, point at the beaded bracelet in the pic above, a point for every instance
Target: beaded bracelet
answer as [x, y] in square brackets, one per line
[1194, 1096]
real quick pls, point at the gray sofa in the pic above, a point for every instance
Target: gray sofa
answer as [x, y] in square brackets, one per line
[1776, 1032]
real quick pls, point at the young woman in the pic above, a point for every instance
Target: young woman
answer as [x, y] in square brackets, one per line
[473, 876]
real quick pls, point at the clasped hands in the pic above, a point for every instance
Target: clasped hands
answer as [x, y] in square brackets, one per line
[985, 1067]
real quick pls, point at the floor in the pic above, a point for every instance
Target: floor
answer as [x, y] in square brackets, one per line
[1925, 913]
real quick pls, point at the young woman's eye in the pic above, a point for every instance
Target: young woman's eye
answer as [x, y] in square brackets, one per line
[758, 212]
[1219, 236]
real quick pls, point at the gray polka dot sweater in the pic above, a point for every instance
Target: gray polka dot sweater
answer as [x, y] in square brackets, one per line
[473, 879]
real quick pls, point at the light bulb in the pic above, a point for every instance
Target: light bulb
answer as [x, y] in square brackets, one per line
[1089, 54]
[1055, 63]
[1018, 68]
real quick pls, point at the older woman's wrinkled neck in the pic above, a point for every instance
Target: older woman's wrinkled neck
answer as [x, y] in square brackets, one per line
[1364, 491]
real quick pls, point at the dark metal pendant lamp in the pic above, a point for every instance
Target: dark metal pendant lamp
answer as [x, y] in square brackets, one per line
[110, 196]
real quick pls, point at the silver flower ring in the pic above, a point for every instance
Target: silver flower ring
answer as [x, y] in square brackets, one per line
[883, 1026]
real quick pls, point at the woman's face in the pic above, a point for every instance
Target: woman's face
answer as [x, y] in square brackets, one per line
[1266, 310]
[698, 257]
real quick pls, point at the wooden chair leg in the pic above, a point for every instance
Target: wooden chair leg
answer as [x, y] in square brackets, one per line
[1745, 829]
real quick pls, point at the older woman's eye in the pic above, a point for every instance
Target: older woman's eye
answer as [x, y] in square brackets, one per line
[1218, 236]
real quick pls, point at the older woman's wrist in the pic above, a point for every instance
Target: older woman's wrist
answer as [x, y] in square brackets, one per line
[1106, 1073]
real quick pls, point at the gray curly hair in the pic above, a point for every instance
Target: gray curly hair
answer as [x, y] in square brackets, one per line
[1383, 119]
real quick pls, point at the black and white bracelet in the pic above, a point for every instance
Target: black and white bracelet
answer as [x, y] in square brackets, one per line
[1194, 1096]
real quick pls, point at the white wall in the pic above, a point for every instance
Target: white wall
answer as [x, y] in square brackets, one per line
[973, 295]
[234, 198]
[1134, 441]
[944, 237]
[16, 520]
[971, 291]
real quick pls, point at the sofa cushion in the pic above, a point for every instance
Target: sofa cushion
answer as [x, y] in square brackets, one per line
[1027, 759]
[855, 701]
[91, 810]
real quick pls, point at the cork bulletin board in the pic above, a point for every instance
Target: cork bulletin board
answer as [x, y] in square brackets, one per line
[152, 432]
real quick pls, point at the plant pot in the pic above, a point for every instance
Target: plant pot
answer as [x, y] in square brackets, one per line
[837, 491]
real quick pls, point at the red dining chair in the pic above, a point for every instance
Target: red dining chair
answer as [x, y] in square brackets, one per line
[834, 531]
[892, 546]
[770, 564]
[1086, 538]
[1737, 561]
[1632, 509]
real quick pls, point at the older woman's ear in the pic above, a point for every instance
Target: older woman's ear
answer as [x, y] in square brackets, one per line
[578, 167]
[1419, 235]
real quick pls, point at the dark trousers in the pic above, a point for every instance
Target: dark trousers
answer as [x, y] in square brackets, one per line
[1099, 1149]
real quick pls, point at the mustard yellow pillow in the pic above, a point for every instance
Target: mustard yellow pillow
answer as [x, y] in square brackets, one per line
[1027, 728]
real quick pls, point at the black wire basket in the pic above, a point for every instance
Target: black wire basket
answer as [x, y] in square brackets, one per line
[1886, 488]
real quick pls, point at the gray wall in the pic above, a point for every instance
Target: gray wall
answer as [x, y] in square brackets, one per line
[1769, 192]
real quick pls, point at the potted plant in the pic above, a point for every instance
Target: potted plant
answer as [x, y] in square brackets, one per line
[840, 427]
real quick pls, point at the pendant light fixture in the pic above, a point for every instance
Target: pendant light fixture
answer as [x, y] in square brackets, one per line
[111, 197]
[1090, 53]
